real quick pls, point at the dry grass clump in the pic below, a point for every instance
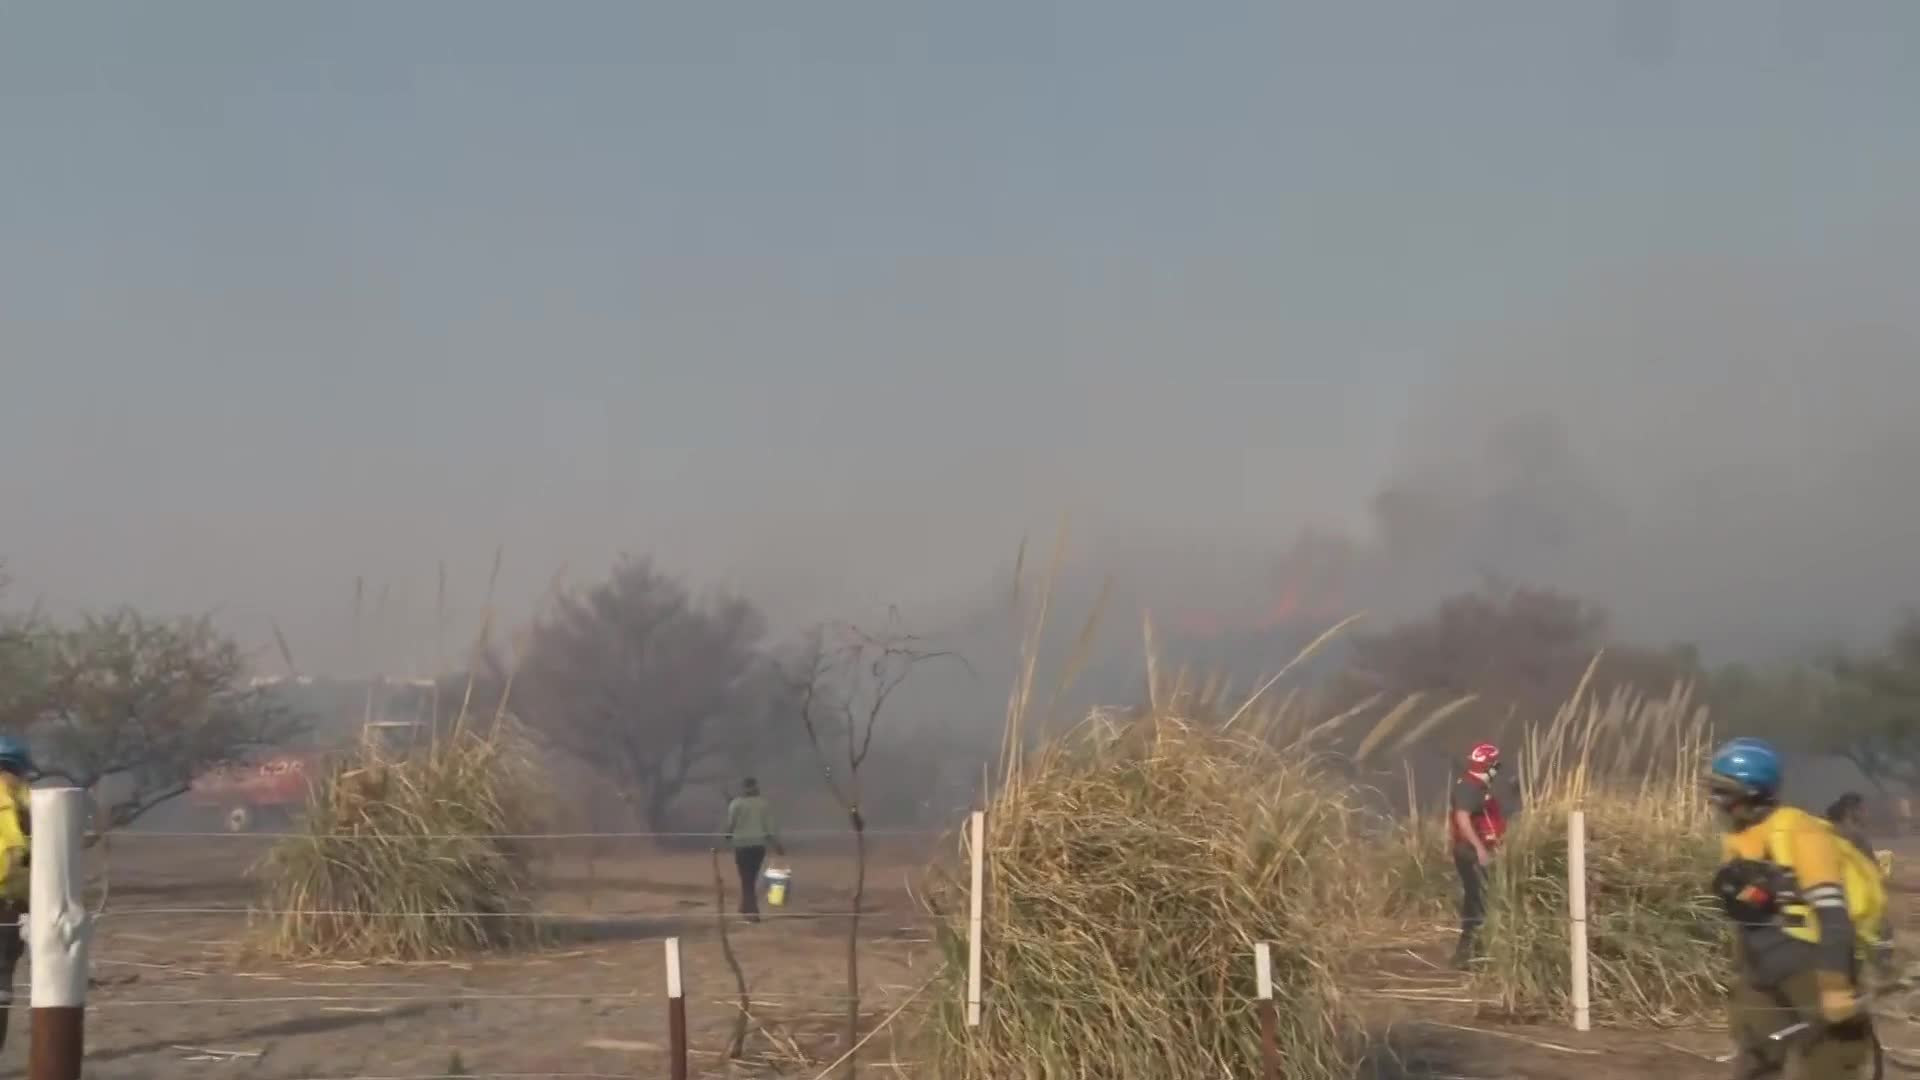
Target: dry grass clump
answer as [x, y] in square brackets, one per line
[1134, 863]
[409, 857]
[1658, 950]
[1420, 883]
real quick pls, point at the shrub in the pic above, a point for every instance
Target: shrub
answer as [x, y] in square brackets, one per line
[411, 857]
[1658, 944]
[1420, 883]
[1134, 864]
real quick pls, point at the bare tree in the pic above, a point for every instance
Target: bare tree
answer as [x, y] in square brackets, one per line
[22, 667]
[743, 1010]
[653, 688]
[147, 705]
[846, 682]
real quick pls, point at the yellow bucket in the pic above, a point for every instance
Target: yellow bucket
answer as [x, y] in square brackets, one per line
[777, 880]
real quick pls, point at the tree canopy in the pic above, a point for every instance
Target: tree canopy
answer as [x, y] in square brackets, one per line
[1870, 714]
[652, 687]
[137, 705]
[1520, 651]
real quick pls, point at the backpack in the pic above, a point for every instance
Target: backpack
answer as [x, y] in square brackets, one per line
[14, 845]
[1860, 874]
[1491, 821]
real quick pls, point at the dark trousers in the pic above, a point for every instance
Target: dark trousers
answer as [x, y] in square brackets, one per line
[1473, 899]
[749, 860]
[12, 948]
[1821, 1052]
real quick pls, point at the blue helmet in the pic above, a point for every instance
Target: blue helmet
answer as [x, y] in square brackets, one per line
[14, 755]
[1747, 767]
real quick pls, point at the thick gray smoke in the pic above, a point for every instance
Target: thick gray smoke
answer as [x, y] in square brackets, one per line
[1715, 454]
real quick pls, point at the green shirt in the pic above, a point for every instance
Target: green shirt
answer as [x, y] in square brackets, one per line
[750, 822]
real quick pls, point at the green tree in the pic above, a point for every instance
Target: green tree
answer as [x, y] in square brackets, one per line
[1871, 713]
[133, 708]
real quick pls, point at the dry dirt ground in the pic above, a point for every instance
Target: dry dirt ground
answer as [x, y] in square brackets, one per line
[180, 993]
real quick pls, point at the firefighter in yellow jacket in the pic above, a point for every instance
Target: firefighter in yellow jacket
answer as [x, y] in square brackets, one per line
[16, 826]
[1796, 1011]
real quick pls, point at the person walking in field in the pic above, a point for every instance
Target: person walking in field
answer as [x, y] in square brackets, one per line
[16, 829]
[750, 831]
[1803, 902]
[1475, 825]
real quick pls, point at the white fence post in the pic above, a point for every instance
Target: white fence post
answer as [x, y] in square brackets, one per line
[976, 913]
[1269, 1018]
[676, 1014]
[58, 932]
[1577, 912]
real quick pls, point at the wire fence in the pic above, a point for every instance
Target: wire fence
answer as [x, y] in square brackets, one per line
[179, 983]
[569, 995]
[256, 834]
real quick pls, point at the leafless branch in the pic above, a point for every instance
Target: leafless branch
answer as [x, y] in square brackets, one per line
[855, 682]
[737, 1045]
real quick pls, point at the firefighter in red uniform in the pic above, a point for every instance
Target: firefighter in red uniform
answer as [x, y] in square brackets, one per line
[1475, 826]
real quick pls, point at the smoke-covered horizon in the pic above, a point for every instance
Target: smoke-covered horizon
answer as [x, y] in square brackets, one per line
[1718, 460]
[1720, 456]
[833, 310]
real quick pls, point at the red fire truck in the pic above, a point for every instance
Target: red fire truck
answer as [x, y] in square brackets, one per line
[275, 787]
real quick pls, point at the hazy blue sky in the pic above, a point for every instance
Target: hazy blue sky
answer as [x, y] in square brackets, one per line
[835, 300]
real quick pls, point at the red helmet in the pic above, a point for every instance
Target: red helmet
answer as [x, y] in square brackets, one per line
[1484, 755]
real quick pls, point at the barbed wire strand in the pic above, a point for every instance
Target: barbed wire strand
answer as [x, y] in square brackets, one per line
[147, 834]
[352, 999]
[878, 1028]
[1089, 1000]
[920, 919]
[483, 1076]
[580, 916]
[836, 997]
[1145, 927]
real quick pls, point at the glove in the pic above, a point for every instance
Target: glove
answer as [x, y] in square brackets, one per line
[1748, 891]
[1839, 1000]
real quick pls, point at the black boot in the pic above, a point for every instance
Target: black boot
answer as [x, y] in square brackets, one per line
[1465, 953]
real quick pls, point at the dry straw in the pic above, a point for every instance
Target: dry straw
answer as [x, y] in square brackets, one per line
[1133, 869]
[418, 854]
[408, 858]
[1134, 862]
[1658, 942]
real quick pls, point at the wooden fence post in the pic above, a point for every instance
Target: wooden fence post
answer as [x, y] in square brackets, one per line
[676, 1013]
[1269, 1016]
[976, 910]
[58, 932]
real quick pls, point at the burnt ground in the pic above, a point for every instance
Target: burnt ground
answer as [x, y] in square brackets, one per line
[182, 992]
